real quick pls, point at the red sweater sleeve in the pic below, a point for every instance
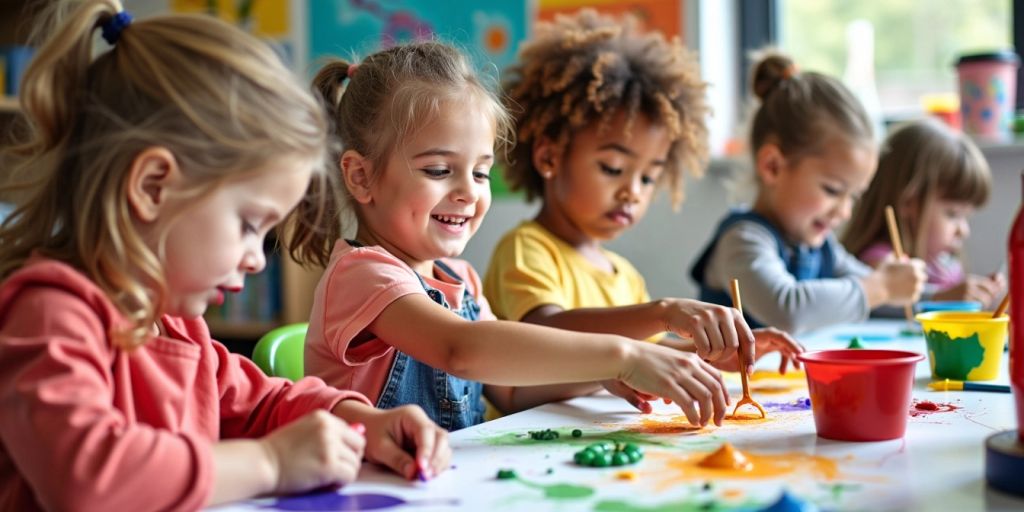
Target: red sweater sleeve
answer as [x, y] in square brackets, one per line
[71, 446]
[253, 404]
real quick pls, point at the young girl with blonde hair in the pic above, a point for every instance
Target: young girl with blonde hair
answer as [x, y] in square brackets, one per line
[152, 174]
[935, 179]
[396, 315]
[814, 156]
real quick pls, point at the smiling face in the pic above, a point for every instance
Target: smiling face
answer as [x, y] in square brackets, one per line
[433, 194]
[808, 199]
[214, 241]
[605, 182]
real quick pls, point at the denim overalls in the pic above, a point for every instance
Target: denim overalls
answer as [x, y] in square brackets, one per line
[801, 261]
[452, 402]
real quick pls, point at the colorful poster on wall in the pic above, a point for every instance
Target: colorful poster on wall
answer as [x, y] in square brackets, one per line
[488, 31]
[267, 19]
[665, 16]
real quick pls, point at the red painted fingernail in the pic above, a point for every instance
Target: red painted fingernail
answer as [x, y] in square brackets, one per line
[359, 428]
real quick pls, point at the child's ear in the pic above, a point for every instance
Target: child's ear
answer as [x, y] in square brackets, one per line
[544, 158]
[153, 173]
[769, 163]
[357, 173]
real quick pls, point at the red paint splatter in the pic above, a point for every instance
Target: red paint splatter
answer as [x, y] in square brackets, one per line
[926, 407]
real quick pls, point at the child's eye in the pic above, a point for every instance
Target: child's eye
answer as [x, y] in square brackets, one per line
[609, 170]
[248, 228]
[482, 175]
[830, 190]
[647, 180]
[435, 172]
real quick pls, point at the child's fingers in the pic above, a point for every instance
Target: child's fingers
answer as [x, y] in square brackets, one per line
[394, 457]
[746, 337]
[685, 402]
[353, 438]
[713, 382]
[424, 436]
[732, 336]
[441, 459]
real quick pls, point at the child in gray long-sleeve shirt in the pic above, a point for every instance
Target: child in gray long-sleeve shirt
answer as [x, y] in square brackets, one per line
[814, 155]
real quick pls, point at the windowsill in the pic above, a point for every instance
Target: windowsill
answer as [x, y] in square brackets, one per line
[1013, 143]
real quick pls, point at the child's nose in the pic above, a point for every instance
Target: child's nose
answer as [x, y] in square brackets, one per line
[466, 190]
[254, 260]
[630, 191]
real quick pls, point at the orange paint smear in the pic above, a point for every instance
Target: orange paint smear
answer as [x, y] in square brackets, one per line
[727, 457]
[685, 467]
[747, 418]
[675, 425]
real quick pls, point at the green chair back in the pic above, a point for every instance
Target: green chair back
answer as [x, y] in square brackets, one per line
[279, 352]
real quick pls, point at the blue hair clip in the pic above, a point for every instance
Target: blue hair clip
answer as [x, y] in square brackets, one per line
[114, 26]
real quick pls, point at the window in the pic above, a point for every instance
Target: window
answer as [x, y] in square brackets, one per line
[916, 42]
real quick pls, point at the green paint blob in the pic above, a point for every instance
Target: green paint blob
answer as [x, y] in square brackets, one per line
[692, 505]
[560, 491]
[617, 436]
[855, 343]
[954, 358]
[836, 490]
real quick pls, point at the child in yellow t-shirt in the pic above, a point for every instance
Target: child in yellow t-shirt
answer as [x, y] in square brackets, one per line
[606, 115]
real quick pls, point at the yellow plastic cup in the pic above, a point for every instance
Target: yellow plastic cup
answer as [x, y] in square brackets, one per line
[964, 345]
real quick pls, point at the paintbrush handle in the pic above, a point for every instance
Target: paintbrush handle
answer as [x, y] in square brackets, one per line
[1002, 306]
[897, 248]
[742, 358]
[994, 388]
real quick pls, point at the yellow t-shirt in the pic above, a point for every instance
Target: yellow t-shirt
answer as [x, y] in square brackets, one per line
[531, 267]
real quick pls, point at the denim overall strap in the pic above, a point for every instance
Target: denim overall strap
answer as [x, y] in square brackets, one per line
[801, 261]
[452, 402]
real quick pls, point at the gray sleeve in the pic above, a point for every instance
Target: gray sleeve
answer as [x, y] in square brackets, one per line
[847, 264]
[748, 252]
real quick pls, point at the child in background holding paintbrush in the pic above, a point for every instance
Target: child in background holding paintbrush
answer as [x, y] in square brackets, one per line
[936, 179]
[814, 154]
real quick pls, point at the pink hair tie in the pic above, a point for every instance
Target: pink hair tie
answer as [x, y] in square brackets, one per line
[352, 70]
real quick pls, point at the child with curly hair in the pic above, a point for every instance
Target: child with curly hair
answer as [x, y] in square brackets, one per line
[606, 116]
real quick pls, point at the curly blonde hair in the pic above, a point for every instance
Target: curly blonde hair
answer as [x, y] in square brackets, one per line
[586, 69]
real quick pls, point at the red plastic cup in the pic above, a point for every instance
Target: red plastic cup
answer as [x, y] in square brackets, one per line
[860, 395]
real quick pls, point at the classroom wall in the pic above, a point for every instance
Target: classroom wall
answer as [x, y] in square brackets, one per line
[665, 243]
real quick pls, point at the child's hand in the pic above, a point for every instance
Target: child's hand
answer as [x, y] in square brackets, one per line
[986, 290]
[903, 280]
[635, 398]
[681, 377]
[716, 331]
[767, 340]
[392, 434]
[313, 451]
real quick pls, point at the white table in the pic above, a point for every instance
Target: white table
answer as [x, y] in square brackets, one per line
[939, 465]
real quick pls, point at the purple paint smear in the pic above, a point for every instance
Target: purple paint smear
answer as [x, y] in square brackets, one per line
[800, 404]
[334, 502]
